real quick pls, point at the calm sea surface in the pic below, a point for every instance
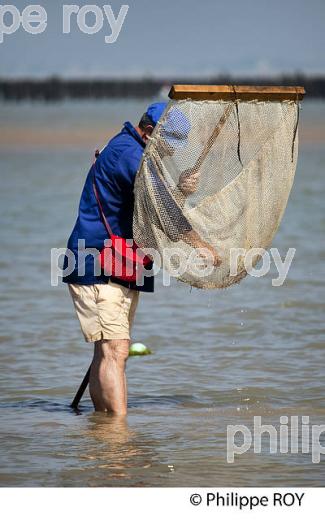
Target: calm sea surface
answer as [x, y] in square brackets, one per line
[219, 357]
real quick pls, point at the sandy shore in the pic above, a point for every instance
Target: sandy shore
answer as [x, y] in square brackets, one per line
[13, 137]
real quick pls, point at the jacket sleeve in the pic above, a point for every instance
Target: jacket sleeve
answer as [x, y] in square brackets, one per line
[127, 168]
[115, 184]
[167, 215]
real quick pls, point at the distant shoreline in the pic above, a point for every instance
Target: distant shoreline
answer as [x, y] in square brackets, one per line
[57, 89]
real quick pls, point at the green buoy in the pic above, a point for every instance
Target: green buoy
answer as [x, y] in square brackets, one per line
[139, 349]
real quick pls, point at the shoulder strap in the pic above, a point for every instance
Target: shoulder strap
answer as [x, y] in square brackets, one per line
[106, 224]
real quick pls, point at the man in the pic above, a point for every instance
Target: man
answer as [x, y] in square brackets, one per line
[105, 305]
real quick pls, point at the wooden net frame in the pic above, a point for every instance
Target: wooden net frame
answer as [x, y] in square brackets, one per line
[234, 92]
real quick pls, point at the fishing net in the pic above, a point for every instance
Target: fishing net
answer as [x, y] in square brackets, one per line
[215, 174]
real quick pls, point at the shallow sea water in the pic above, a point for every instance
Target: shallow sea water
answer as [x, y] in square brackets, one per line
[219, 357]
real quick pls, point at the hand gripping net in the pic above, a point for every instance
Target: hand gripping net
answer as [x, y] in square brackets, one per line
[217, 173]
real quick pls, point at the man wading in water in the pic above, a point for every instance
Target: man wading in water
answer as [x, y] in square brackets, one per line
[105, 305]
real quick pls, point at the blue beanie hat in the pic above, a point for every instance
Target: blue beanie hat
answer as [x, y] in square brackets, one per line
[155, 111]
[175, 129]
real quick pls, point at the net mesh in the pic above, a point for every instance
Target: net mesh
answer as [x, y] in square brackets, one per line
[215, 174]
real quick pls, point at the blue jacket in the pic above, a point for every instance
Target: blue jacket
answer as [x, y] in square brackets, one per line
[114, 171]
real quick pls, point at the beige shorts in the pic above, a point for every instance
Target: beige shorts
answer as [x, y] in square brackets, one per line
[105, 311]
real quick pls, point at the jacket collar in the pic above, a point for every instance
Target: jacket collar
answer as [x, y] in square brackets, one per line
[128, 127]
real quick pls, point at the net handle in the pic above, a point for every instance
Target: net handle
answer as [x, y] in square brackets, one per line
[210, 142]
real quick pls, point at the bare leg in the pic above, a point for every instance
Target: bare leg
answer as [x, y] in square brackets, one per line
[107, 382]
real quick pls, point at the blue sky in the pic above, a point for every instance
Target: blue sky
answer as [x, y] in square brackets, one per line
[175, 37]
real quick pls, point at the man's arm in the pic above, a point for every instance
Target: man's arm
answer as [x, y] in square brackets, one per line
[189, 179]
[193, 239]
[174, 223]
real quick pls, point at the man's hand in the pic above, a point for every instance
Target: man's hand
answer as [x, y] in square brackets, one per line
[188, 182]
[208, 253]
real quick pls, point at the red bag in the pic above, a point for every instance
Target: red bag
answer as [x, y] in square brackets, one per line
[122, 259]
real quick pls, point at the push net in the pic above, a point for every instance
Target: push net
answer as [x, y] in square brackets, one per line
[215, 175]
